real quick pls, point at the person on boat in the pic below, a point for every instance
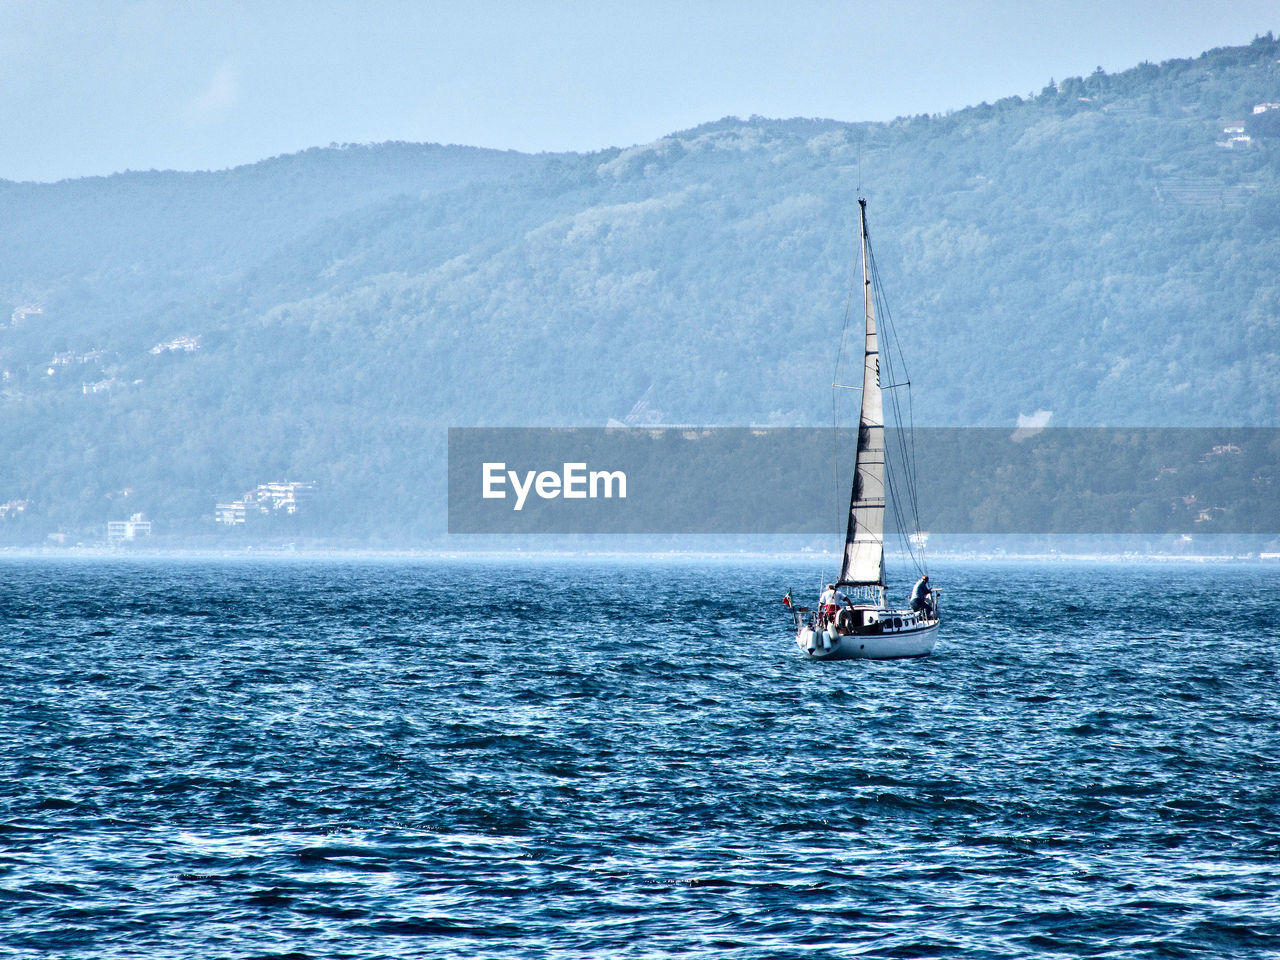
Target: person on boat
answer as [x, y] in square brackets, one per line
[846, 618]
[831, 599]
[828, 603]
[922, 597]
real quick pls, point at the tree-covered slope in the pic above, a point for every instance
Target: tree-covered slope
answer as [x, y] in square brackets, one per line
[1090, 250]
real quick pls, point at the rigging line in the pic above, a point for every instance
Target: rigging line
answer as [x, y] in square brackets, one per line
[899, 517]
[908, 473]
[895, 488]
[910, 499]
[900, 437]
[883, 320]
[900, 520]
[835, 444]
[909, 525]
[924, 562]
[904, 437]
[911, 413]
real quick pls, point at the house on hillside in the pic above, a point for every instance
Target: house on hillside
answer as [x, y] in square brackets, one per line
[1236, 138]
[281, 496]
[231, 514]
[100, 386]
[70, 357]
[1221, 450]
[177, 345]
[22, 314]
[136, 527]
[12, 508]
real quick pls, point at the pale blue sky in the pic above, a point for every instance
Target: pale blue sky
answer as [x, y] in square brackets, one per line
[96, 87]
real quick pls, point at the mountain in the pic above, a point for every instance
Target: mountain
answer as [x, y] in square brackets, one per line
[1105, 249]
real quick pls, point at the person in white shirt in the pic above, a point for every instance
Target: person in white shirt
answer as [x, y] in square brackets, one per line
[922, 597]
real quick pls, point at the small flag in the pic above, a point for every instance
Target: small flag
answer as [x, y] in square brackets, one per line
[787, 600]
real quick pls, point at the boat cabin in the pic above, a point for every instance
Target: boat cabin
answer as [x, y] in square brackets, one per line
[886, 621]
[869, 620]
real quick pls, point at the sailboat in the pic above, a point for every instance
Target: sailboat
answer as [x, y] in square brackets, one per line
[853, 620]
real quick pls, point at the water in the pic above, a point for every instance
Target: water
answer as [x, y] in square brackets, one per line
[631, 759]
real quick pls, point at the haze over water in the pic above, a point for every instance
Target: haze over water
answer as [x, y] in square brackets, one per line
[630, 758]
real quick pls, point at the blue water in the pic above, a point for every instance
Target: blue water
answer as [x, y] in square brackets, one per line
[632, 759]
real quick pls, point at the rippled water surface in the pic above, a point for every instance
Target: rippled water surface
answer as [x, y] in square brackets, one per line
[631, 759]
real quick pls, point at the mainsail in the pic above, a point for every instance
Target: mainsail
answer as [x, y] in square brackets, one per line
[863, 563]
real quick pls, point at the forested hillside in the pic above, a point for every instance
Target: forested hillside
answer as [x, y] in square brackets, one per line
[1093, 249]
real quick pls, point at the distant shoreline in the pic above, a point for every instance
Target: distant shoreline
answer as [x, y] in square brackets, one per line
[517, 555]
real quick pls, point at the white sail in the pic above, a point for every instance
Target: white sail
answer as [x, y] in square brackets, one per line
[864, 539]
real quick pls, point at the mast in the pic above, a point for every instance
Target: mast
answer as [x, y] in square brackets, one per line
[863, 563]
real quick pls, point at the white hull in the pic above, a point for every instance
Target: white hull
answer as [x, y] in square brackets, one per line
[896, 645]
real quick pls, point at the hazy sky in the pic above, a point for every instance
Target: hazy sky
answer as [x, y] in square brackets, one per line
[96, 87]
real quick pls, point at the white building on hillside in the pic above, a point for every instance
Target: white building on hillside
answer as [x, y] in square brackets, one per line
[134, 528]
